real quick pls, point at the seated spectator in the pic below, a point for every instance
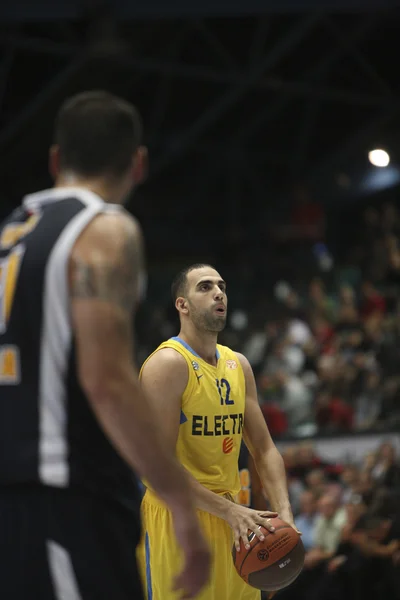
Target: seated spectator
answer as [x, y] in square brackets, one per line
[323, 332]
[333, 414]
[348, 479]
[377, 539]
[339, 580]
[327, 535]
[306, 519]
[372, 302]
[328, 529]
[275, 418]
[276, 361]
[368, 404]
[347, 296]
[386, 471]
[369, 462]
[320, 303]
[307, 459]
[316, 482]
[364, 487]
[355, 510]
[296, 402]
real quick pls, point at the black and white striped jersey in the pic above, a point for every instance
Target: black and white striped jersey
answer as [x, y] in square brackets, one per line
[48, 433]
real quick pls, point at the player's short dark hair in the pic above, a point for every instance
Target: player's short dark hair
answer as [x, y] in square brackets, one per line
[178, 287]
[98, 134]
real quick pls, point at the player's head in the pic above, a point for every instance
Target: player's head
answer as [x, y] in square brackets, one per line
[98, 136]
[199, 294]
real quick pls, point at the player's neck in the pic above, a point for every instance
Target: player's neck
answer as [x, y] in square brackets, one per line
[203, 343]
[107, 191]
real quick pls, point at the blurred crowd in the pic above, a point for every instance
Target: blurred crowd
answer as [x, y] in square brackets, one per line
[349, 519]
[328, 361]
[331, 363]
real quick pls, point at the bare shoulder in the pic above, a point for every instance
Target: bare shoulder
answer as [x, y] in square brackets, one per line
[168, 370]
[108, 232]
[251, 388]
[245, 363]
[166, 361]
[107, 261]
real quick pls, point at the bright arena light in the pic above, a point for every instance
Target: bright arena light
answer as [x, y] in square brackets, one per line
[379, 158]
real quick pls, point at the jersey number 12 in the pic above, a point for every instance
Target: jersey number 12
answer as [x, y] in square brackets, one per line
[224, 390]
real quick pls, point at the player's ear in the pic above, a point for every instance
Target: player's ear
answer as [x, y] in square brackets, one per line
[181, 305]
[54, 161]
[140, 165]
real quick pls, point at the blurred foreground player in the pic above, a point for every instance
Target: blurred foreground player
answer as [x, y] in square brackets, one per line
[206, 397]
[74, 423]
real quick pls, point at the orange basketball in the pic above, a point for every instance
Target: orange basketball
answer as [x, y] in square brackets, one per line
[275, 562]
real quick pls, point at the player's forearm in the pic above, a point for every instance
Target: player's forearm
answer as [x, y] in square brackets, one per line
[207, 500]
[127, 419]
[271, 469]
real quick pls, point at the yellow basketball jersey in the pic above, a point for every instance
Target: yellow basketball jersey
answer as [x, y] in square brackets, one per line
[212, 417]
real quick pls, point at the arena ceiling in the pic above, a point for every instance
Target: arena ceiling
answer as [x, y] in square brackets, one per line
[236, 106]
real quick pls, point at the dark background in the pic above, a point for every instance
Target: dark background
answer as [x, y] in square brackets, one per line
[238, 104]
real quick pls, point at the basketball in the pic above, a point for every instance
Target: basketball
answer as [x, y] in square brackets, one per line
[275, 562]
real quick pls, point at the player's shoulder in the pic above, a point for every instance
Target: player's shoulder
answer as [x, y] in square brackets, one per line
[167, 369]
[118, 223]
[244, 363]
[229, 354]
[166, 359]
[108, 233]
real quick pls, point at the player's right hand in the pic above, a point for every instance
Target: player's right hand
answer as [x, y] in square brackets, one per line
[197, 557]
[243, 519]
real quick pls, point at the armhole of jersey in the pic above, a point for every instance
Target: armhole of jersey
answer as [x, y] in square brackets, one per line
[240, 367]
[56, 341]
[56, 279]
[191, 382]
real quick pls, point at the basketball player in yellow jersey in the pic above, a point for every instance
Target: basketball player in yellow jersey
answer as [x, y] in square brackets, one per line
[206, 397]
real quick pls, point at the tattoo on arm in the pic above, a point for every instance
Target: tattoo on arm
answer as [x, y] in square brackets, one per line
[113, 281]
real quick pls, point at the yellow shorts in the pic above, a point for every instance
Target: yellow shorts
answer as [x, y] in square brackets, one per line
[160, 558]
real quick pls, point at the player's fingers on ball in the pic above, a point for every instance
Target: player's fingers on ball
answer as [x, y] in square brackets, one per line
[245, 539]
[267, 524]
[257, 530]
[268, 514]
[237, 540]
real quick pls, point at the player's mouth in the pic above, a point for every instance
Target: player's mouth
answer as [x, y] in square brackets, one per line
[220, 309]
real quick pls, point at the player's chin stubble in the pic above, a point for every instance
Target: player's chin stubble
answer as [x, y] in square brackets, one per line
[206, 321]
[214, 324]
